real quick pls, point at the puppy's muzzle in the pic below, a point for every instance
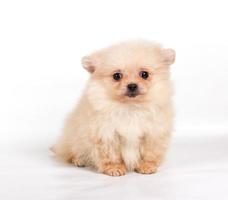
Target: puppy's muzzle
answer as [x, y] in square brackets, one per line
[132, 90]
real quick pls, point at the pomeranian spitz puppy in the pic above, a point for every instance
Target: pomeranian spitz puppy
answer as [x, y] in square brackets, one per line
[123, 121]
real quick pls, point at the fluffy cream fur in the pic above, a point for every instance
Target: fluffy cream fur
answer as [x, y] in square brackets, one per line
[111, 131]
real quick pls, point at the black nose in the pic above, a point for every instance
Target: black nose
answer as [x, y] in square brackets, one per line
[132, 87]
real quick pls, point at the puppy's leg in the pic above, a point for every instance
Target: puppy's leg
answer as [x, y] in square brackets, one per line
[78, 162]
[152, 151]
[107, 158]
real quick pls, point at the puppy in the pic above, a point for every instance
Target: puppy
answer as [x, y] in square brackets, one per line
[123, 120]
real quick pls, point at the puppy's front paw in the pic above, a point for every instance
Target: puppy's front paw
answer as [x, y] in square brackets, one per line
[114, 169]
[146, 167]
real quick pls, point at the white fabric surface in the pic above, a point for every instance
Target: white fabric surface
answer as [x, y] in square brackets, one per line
[195, 168]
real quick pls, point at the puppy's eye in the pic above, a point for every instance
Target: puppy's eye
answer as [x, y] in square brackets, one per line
[144, 74]
[117, 76]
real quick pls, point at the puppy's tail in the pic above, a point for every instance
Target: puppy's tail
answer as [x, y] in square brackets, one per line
[53, 149]
[61, 153]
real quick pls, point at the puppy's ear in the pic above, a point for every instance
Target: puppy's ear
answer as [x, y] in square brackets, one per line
[89, 63]
[169, 56]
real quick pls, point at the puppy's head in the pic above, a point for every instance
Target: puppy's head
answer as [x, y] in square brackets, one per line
[129, 71]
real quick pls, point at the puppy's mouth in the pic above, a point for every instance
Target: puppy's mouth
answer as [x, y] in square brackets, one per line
[132, 94]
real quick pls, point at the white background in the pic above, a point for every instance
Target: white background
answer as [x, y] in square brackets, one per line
[41, 44]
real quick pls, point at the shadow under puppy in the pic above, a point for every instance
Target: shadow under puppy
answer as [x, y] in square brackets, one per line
[123, 121]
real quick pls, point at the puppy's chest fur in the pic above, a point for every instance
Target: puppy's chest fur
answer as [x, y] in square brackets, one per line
[128, 122]
[131, 123]
[126, 126]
